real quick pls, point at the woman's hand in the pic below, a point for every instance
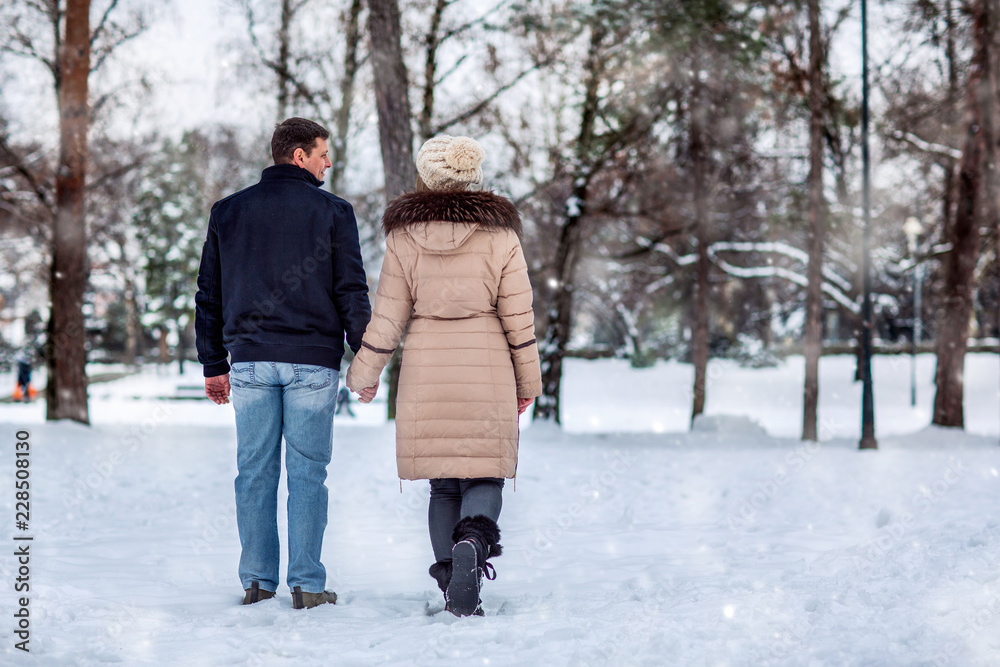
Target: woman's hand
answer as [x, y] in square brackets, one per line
[367, 395]
[522, 404]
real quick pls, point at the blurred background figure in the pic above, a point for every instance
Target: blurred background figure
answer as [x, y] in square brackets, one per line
[24, 391]
[344, 401]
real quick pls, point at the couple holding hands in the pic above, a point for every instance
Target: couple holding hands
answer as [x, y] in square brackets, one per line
[280, 286]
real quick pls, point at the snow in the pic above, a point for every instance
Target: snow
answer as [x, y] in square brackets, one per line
[735, 544]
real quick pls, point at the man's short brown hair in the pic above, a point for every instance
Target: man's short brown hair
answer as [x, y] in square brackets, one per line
[295, 133]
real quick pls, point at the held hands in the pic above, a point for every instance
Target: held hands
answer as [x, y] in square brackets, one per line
[217, 389]
[367, 395]
[522, 404]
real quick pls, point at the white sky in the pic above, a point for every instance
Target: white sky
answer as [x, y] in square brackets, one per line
[194, 80]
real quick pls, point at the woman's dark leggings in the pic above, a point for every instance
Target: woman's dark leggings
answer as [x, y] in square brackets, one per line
[453, 499]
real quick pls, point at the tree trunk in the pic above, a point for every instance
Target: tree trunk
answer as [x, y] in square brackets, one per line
[66, 355]
[813, 334]
[560, 315]
[699, 332]
[431, 41]
[184, 334]
[133, 329]
[964, 236]
[339, 158]
[164, 348]
[949, 165]
[284, 49]
[992, 127]
[391, 98]
[395, 132]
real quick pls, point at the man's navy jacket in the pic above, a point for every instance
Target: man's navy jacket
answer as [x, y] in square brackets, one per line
[281, 277]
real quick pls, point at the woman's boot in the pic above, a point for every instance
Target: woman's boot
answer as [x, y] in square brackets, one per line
[441, 571]
[477, 538]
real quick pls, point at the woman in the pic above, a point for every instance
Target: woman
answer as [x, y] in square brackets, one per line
[454, 272]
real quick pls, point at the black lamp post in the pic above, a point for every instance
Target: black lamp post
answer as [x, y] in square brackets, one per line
[867, 397]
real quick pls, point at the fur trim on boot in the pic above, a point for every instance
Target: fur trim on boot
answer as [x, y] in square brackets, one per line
[441, 571]
[486, 532]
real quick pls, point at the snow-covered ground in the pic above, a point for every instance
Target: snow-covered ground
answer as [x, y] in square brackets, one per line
[628, 540]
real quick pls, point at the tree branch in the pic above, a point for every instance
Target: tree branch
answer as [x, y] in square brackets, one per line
[19, 164]
[462, 28]
[928, 147]
[103, 52]
[469, 113]
[102, 23]
[27, 50]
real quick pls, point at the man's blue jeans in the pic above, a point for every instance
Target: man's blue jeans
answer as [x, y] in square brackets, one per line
[295, 400]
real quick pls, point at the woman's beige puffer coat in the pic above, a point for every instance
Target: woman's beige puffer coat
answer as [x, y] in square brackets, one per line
[454, 271]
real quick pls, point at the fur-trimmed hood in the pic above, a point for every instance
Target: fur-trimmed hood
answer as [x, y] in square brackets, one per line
[483, 208]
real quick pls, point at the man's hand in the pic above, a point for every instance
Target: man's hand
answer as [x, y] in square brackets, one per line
[522, 404]
[217, 389]
[367, 395]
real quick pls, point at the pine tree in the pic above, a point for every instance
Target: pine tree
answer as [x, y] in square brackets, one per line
[170, 219]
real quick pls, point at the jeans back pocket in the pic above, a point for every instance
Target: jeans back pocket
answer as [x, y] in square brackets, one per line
[241, 374]
[314, 377]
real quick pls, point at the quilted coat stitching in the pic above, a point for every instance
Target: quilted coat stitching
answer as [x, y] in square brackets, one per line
[465, 295]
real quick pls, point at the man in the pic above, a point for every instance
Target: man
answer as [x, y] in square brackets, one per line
[280, 285]
[344, 402]
[24, 387]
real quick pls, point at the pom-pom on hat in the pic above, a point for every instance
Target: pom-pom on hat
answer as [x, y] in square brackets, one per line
[448, 163]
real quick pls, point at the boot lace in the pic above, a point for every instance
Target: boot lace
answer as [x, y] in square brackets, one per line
[489, 571]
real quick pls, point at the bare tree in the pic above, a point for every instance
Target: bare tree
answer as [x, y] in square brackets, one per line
[395, 131]
[391, 97]
[66, 355]
[568, 244]
[973, 203]
[302, 77]
[699, 168]
[59, 36]
[347, 84]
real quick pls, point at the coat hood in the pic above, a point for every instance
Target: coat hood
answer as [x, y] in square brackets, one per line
[444, 221]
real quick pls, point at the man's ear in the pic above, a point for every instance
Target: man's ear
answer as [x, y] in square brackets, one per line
[298, 156]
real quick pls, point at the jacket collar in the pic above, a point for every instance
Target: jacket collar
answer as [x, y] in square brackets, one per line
[483, 208]
[289, 171]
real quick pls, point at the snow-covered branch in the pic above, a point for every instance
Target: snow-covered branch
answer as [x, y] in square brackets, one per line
[658, 283]
[680, 260]
[787, 274]
[834, 285]
[927, 146]
[781, 248]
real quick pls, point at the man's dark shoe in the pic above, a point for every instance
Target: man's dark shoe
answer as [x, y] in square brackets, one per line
[256, 594]
[304, 600]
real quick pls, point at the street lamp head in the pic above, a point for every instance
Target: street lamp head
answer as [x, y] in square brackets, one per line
[912, 228]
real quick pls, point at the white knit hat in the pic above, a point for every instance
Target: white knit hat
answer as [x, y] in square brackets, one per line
[446, 163]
